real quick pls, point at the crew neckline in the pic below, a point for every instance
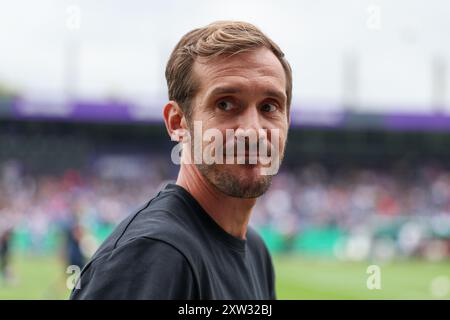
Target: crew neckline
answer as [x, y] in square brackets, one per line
[230, 240]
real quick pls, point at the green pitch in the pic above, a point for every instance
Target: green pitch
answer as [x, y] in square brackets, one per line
[300, 278]
[297, 278]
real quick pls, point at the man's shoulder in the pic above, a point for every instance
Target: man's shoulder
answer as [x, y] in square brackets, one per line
[165, 218]
[140, 268]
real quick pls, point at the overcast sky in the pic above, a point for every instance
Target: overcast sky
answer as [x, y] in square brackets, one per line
[123, 46]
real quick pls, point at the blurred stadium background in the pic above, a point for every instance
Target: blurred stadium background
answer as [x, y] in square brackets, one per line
[366, 178]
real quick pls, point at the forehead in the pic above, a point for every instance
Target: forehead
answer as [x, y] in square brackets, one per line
[250, 69]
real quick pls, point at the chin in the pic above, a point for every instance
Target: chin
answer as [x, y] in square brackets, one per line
[240, 181]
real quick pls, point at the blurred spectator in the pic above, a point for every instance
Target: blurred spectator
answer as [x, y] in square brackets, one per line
[5, 243]
[85, 204]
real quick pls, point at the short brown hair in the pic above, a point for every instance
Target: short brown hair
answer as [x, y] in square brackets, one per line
[215, 39]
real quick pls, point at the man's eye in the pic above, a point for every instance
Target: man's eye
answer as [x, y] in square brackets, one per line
[225, 105]
[268, 107]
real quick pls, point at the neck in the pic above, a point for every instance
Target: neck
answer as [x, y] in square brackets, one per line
[232, 214]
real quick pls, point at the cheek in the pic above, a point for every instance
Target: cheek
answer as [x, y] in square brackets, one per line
[282, 142]
[282, 130]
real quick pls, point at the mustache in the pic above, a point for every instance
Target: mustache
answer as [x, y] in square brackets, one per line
[246, 147]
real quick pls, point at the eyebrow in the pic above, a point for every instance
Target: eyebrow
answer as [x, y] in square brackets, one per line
[234, 90]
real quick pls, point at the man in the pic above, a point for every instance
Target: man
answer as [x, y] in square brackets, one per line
[191, 241]
[5, 254]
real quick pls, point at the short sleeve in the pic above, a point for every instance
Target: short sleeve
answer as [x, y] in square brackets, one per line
[143, 268]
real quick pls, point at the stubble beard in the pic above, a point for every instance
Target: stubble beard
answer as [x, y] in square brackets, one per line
[233, 185]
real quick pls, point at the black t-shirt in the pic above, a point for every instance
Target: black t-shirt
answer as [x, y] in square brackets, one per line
[172, 249]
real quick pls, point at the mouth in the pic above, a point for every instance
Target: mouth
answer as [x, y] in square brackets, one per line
[246, 155]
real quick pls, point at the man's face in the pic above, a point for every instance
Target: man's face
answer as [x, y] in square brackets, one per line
[244, 91]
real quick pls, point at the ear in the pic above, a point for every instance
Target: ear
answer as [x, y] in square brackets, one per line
[175, 121]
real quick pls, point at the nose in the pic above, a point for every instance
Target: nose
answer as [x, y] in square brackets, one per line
[250, 119]
[248, 129]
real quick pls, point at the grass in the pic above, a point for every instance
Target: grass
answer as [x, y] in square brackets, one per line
[302, 278]
[297, 278]
[35, 277]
